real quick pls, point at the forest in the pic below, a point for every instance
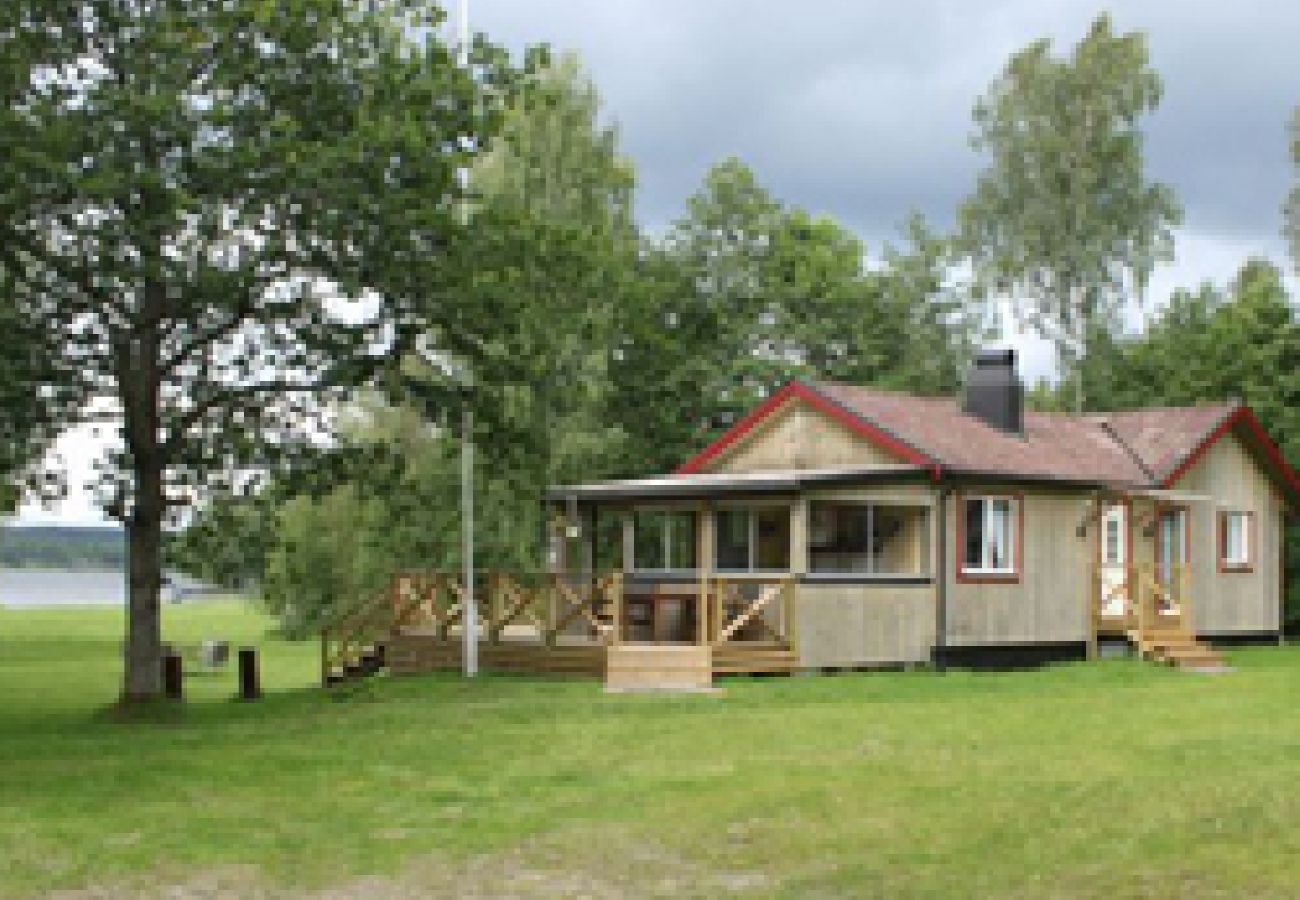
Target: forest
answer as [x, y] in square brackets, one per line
[62, 547]
[290, 277]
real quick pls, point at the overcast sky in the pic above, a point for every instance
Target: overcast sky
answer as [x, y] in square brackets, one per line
[862, 109]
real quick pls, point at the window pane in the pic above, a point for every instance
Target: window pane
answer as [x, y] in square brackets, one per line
[772, 530]
[973, 552]
[1235, 538]
[839, 538]
[649, 539]
[681, 540]
[999, 534]
[900, 540]
[849, 538]
[732, 539]
[609, 542]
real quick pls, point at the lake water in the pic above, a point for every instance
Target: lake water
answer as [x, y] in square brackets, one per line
[54, 587]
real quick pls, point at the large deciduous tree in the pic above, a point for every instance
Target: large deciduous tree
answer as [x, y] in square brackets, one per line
[1064, 219]
[213, 210]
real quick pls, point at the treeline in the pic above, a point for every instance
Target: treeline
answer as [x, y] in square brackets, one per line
[600, 350]
[62, 547]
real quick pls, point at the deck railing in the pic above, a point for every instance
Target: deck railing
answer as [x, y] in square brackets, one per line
[540, 607]
[548, 609]
[1159, 597]
[744, 607]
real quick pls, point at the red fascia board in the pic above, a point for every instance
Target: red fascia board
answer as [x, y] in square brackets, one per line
[815, 399]
[1246, 419]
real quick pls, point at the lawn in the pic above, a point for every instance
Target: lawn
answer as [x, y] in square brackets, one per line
[1083, 780]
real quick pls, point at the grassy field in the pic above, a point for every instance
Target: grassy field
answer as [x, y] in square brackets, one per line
[1084, 780]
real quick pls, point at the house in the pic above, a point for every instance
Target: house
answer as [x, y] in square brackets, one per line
[837, 526]
[921, 529]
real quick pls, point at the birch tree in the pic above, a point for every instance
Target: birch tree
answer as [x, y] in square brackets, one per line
[1063, 220]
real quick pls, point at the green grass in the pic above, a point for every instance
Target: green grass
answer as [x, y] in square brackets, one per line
[1083, 780]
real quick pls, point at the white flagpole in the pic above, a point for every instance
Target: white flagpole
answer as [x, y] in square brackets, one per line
[469, 628]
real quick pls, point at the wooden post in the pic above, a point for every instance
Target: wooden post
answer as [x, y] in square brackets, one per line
[324, 657]
[702, 612]
[718, 587]
[250, 687]
[173, 676]
[552, 589]
[617, 585]
[792, 616]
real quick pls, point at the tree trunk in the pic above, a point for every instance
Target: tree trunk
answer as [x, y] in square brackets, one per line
[143, 678]
[140, 380]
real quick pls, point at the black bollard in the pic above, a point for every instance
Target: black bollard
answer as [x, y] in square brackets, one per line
[173, 677]
[249, 689]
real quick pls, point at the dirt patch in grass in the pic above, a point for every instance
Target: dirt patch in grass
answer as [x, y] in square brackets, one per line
[609, 869]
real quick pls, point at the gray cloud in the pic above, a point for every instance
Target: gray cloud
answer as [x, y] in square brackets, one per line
[863, 109]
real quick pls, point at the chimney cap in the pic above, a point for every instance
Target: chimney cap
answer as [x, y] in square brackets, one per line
[1000, 357]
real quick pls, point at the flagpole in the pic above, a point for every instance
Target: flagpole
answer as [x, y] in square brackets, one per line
[469, 629]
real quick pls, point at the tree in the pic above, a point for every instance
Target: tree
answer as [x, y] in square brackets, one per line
[746, 292]
[1063, 218]
[215, 209]
[550, 252]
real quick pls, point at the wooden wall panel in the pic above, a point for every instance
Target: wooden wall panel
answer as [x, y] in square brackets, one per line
[865, 625]
[1051, 600]
[1224, 602]
[797, 437]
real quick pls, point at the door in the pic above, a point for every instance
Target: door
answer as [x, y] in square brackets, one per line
[1171, 557]
[1114, 560]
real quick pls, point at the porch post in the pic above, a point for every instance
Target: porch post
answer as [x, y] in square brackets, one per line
[705, 544]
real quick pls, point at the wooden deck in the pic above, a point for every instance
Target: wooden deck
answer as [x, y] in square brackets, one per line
[566, 625]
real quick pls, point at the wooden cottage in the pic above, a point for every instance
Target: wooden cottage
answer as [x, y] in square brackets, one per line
[837, 526]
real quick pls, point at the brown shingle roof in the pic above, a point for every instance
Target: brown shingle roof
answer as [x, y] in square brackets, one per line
[1162, 437]
[1125, 448]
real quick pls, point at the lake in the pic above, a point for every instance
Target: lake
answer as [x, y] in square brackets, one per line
[56, 587]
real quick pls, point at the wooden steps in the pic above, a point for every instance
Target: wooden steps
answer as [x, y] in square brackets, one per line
[1178, 647]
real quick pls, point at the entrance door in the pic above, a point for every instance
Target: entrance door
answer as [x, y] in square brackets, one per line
[1171, 557]
[1113, 564]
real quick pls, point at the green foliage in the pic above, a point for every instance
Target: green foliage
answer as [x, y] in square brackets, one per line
[221, 215]
[746, 292]
[1063, 219]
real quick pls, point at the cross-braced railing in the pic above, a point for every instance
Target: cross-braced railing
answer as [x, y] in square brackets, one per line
[743, 608]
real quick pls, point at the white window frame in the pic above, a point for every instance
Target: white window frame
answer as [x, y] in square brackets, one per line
[1012, 537]
[1245, 561]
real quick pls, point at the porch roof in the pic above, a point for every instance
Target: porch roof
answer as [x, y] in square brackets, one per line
[717, 483]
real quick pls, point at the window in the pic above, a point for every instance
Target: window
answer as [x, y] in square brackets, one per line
[868, 539]
[663, 540]
[753, 540]
[1235, 541]
[1112, 542]
[989, 536]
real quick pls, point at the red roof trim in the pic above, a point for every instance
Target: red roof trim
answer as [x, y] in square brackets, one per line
[799, 390]
[1244, 417]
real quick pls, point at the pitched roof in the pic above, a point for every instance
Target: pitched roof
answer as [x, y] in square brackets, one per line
[1053, 445]
[1146, 447]
[1162, 437]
